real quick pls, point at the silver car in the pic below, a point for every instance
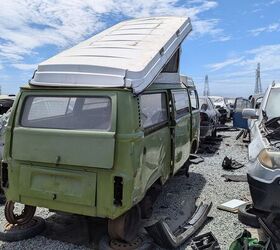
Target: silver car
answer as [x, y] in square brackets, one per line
[264, 151]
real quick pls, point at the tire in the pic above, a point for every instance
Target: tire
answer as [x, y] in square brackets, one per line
[147, 244]
[249, 216]
[22, 232]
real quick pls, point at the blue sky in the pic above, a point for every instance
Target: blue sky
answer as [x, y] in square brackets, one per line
[229, 38]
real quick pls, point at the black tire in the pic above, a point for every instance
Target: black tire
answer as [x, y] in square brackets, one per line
[22, 232]
[249, 216]
[147, 244]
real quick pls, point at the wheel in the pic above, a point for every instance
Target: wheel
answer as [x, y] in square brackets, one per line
[141, 242]
[249, 216]
[10, 232]
[126, 226]
[23, 217]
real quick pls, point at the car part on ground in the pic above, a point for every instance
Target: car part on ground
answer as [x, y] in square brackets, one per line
[24, 217]
[163, 236]
[230, 164]
[10, 232]
[205, 241]
[249, 216]
[234, 178]
[142, 242]
[196, 159]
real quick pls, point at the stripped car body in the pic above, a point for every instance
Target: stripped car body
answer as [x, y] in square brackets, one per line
[264, 154]
[103, 122]
[209, 118]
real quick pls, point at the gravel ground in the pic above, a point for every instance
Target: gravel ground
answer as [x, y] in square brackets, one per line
[204, 184]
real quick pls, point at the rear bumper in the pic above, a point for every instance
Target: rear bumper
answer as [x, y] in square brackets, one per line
[265, 196]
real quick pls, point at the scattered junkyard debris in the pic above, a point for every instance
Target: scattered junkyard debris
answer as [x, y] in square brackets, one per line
[230, 164]
[246, 241]
[205, 241]
[196, 159]
[249, 216]
[165, 237]
[231, 206]
[10, 232]
[235, 178]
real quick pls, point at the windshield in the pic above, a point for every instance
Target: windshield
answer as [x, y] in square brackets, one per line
[272, 106]
[93, 113]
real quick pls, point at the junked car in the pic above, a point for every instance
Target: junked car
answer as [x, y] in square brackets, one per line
[99, 126]
[209, 118]
[264, 152]
[220, 105]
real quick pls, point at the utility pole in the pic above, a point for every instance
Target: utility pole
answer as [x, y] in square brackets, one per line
[258, 85]
[206, 91]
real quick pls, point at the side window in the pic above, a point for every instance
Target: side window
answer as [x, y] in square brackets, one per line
[153, 109]
[181, 100]
[194, 99]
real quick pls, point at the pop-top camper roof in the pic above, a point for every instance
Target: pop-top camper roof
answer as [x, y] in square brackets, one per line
[130, 54]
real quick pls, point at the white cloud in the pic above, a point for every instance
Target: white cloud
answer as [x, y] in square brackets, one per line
[228, 62]
[27, 25]
[275, 27]
[240, 71]
[24, 66]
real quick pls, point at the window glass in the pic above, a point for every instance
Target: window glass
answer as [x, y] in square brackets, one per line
[242, 103]
[194, 99]
[181, 100]
[272, 106]
[153, 109]
[67, 112]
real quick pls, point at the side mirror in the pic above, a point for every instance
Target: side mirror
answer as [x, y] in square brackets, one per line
[204, 106]
[249, 114]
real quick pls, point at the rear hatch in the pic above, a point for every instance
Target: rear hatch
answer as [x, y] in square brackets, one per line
[68, 129]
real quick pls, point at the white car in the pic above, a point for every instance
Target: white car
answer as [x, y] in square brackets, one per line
[221, 106]
[264, 152]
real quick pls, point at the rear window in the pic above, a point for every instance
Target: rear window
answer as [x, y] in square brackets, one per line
[91, 113]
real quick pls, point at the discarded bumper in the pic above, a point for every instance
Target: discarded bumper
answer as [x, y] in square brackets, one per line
[163, 236]
[265, 196]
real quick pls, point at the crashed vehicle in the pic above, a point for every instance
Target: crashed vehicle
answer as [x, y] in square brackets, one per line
[264, 152]
[230, 104]
[220, 105]
[103, 125]
[6, 102]
[209, 118]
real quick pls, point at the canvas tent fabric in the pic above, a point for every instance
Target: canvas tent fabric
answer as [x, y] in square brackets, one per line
[130, 54]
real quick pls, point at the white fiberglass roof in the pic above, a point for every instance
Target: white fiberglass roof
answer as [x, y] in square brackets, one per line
[130, 54]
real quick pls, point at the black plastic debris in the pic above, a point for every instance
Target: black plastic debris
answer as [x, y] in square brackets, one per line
[235, 178]
[230, 164]
[165, 237]
[205, 241]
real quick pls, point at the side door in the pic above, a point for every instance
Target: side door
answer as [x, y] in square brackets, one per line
[156, 156]
[238, 120]
[181, 131]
